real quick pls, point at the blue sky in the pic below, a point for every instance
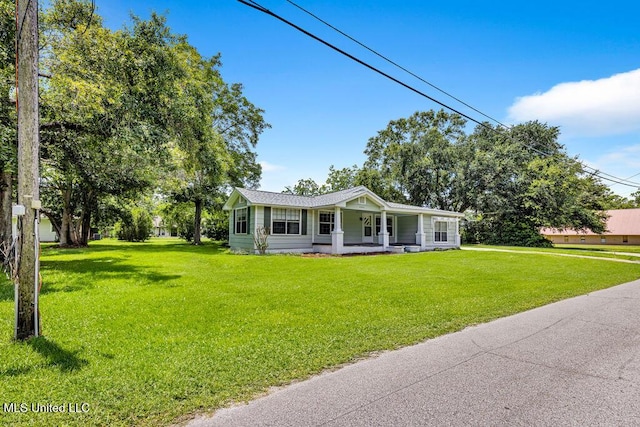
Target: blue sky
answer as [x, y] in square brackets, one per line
[575, 65]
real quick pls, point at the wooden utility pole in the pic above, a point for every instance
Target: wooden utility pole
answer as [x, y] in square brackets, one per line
[27, 322]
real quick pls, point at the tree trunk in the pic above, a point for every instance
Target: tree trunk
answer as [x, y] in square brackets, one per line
[85, 228]
[197, 221]
[55, 222]
[65, 228]
[27, 319]
[6, 189]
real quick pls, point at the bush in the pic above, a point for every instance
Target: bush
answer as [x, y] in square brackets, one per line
[135, 227]
[217, 227]
[502, 232]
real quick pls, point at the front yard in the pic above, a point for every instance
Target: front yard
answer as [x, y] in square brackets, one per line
[143, 334]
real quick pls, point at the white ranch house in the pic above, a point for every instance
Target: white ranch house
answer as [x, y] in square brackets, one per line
[343, 222]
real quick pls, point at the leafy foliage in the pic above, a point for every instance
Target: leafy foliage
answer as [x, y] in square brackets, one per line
[510, 182]
[135, 227]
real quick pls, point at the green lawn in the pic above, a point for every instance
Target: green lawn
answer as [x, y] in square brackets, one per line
[627, 252]
[147, 333]
[601, 248]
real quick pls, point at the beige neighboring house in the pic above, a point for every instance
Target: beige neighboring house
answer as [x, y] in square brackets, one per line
[623, 228]
[46, 232]
[349, 221]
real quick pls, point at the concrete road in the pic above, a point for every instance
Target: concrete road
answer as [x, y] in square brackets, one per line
[572, 363]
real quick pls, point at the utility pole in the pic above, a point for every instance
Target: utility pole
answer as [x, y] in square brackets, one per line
[27, 322]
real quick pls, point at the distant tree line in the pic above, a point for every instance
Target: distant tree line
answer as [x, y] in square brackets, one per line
[509, 182]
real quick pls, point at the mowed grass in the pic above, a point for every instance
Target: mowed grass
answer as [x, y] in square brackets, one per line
[601, 248]
[146, 334]
[624, 252]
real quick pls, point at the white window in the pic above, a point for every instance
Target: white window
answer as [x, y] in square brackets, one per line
[285, 221]
[326, 222]
[241, 221]
[389, 226]
[440, 231]
[362, 200]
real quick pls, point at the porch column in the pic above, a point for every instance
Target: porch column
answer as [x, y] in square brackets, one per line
[337, 235]
[457, 232]
[420, 237]
[383, 230]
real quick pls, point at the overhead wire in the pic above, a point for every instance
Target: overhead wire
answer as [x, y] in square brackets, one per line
[253, 4]
[390, 61]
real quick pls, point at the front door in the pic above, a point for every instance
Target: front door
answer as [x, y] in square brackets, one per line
[367, 228]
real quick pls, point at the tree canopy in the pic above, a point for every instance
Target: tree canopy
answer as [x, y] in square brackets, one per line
[510, 182]
[126, 112]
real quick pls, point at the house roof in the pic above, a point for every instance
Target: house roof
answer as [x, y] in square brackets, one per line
[621, 222]
[257, 197]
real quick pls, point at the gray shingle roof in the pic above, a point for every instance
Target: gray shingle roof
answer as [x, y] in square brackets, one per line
[258, 197]
[268, 198]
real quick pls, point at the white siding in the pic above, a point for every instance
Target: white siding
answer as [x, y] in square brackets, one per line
[407, 229]
[242, 242]
[352, 227]
[280, 242]
[46, 232]
[368, 205]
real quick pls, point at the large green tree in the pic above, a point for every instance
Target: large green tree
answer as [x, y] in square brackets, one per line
[216, 144]
[8, 121]
[415, 158]
[107, 111]
[512, 181]
[124, 110]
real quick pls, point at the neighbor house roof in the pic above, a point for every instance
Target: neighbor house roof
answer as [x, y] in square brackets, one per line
[257, 197]
[621, 222]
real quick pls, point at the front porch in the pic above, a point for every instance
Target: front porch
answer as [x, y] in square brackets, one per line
[356, 229]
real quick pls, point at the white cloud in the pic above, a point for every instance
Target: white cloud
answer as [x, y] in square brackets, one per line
[623, 157]
[607, 106]
[268, 167]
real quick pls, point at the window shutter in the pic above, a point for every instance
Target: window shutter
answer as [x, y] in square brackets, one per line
[304, 222]
[267, 216]
[234, 221]
[249, 220]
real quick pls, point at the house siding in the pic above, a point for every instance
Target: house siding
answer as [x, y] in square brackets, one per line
[407, 227]
[242, 242]
[46, 231]
[352, 227]
[428, 230]
[368, 206]
[315, 227]
[283, 242]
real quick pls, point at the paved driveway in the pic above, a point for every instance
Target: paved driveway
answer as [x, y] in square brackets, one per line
[572, 363]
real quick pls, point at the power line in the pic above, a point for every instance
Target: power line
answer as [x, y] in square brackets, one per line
[253, 4]
[257, 6]
[387, 59]
[395, 63]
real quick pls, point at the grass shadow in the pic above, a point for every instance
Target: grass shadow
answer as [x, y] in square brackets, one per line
[81, 274]
[584, 249]
[54, 355]
[149, 246]
[58, 357]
